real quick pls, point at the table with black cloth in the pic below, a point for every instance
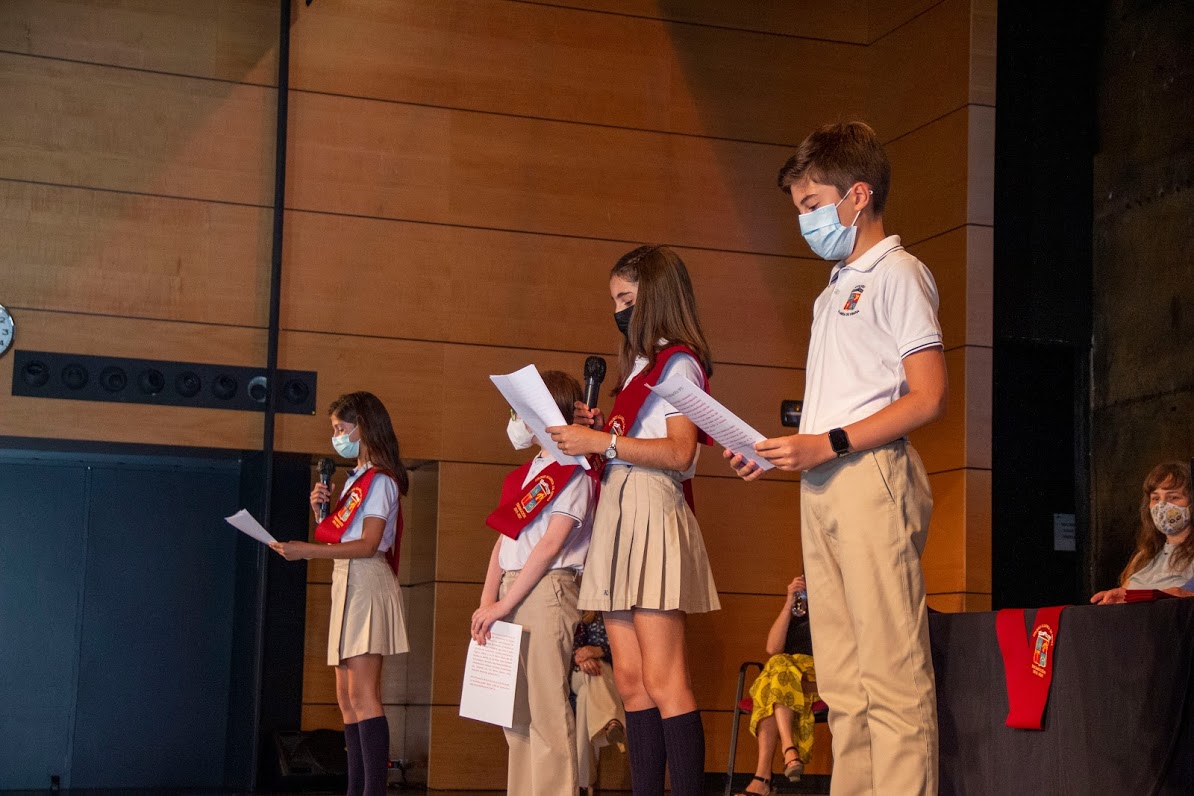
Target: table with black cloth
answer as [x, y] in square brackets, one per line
[1120, 717]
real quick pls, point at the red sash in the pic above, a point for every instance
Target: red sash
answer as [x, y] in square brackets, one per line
[331, 529]
[1028, 663]
[520, 505]
[631, 398]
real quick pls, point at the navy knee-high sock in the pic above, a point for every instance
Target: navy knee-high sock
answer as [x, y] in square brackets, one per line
[648, 754]
[684, 736]
[375, 755]
[352, 742]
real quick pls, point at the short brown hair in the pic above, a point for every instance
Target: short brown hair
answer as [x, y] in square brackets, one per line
[840, 155]
[565, 391]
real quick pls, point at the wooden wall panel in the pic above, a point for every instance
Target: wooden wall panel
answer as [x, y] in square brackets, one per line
[920, 72]
[79, 250]
[111, 422]
[454, 606]
[471, 169]
[561, 63]
[437, 392]
[842, 22]
[957, 557]
[928, 177]
[962, 438]
[491, 287]
[984, 25]
[224, 39]
[720, 641]
[958, 260]
[465, 754]
[885, 17]
[468, 492]
[100, 127]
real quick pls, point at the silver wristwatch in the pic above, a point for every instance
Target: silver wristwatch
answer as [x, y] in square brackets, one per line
[612, 451]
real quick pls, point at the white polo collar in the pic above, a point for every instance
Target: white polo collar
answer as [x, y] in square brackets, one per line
[870, 258]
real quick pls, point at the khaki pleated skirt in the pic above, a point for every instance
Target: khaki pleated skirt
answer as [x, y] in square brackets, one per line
[647, 550]
[367, 614]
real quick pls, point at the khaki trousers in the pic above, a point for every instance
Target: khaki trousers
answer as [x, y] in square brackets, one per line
[864, 521]
[542, 760]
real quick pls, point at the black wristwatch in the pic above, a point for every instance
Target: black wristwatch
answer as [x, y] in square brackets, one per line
[839, 441]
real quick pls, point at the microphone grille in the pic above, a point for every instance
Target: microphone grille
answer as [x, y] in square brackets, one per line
[595, 368]
[326, 466]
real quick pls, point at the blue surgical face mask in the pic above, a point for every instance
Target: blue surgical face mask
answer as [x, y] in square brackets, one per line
[825, 234]
[345, 447]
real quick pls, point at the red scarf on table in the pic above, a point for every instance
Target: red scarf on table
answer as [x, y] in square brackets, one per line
[1028, 663]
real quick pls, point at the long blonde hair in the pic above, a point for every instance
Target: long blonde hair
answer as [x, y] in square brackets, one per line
[1149, 541]
[664, 309]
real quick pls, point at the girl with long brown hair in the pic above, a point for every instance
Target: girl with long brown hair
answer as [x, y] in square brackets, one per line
[1164, 554]
[362, 536]
[647, 568]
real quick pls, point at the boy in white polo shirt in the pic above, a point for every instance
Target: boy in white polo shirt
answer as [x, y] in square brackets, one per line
[876, 371]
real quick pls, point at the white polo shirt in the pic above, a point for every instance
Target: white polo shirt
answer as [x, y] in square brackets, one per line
[874, 312]
[575, 500]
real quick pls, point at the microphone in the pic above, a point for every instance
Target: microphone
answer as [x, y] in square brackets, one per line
[326, 468]
[594, 375]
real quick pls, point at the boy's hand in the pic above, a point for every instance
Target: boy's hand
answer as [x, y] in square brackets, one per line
[483, 619]
[797, 451]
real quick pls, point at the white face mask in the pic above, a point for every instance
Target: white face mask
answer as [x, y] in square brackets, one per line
[1170, 519]
[345, 447]
[520, 435]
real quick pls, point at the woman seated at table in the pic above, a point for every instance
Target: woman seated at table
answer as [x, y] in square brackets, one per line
[1164, 555]
[784, 693]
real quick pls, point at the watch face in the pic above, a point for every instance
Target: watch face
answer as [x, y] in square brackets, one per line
[7, 328]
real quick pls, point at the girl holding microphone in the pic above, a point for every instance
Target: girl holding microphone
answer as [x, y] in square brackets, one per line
[362, 536]
[647, 567]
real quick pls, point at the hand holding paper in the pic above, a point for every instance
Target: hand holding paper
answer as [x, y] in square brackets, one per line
[710, 416]
[527, 395]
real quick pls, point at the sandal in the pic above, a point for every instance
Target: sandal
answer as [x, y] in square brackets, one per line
[748, 792]
[795, 769]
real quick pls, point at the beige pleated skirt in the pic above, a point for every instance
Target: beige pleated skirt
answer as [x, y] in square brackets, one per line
[367, 614]
[647, 550]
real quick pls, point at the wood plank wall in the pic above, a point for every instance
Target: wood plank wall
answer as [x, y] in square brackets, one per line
[462, 173]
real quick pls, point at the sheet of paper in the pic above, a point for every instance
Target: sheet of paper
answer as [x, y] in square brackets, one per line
[244, 522]
[527, 395]
[727, 429]
[491, 676]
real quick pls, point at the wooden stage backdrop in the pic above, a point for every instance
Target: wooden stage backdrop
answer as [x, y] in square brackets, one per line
[461, 176]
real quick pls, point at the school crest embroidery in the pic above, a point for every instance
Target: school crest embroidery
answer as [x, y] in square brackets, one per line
[1042, 642]
[344, 515]
[851, 305]
[617, 425]
[542, 491]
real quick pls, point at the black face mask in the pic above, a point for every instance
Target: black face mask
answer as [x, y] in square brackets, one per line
[622, 319]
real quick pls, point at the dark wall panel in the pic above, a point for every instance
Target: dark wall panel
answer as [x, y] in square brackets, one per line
[41, 554]
[157, 618]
